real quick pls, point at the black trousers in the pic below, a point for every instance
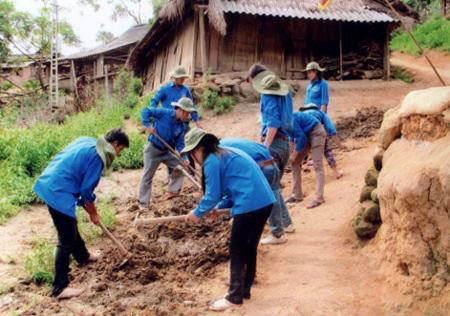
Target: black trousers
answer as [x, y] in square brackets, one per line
[245, 235]
[69, 243]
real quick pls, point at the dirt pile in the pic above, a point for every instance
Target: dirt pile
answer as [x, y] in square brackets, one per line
[413, 190]
[364, 124]
[168, 261]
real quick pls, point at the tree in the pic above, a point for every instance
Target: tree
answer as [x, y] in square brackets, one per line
[157, 6]
[121, 9]
[31, 35]
[104, 37]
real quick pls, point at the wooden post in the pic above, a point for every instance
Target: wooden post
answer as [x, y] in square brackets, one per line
[106, 81]
[341, 56]
[73, 80]
[203, 52]
[194, 46]
[386, 57]
[94, 77]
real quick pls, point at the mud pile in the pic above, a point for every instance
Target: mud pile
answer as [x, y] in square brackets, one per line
[364, 124]
[169, 262]
[413, 190]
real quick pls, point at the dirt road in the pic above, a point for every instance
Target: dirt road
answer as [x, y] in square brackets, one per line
[321, 270]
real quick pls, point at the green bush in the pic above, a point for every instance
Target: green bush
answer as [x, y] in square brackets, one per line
[132, 158]
[39, 264]
[433, 34]
[212, 101]
[6, 85]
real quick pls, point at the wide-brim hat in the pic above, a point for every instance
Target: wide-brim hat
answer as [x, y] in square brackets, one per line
[107, 153]
[313, 66]
[267, 82]
[192, 139]
[310, 106]
[185, 104]
[180, 72]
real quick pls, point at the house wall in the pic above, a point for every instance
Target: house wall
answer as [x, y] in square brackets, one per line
[284, 45]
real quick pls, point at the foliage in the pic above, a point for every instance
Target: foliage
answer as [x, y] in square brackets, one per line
[433, 34]
[425, 8]
[31, 85]
[104, 37]
[402, 74]
[5, 85]
[39, 264]
[212, 101]
[157, 5]
[120, 9]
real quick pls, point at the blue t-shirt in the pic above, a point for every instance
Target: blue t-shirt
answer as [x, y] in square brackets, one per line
[276, 112]
[172, 93]
[324, 119]
[167, 127]
[71, 177]
[317, 93]
[233, 174]
[258, 152]
[303, 125]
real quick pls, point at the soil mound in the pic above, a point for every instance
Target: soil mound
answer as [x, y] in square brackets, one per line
[364, 124]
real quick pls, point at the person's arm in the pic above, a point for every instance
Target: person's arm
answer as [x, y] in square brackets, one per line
[194, 115]
[300, 143]
[147, 114]
[226, 202]
[213, 190]
[88, 185]
[325, 97]
[328, 125]
[272, 112]
[159, 97]
[179, 145]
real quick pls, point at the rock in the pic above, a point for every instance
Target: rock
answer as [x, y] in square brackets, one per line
[236, 91]
[366, 193]
[212, 86]
[248, 93]
[378, 158]
[424, 127]
[431, 101]
[391, 127]
[226, 90]
[363, 229]
[374, 196]
[371, 212]
[371, 177]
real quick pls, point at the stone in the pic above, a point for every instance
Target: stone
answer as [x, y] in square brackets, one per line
[431, 101]
[371, 177]
[363, 229]
[248, 93]
[391, 128]
[226, 90]
[378, 158]
[374, 196]
[371, 212]
[366, 193]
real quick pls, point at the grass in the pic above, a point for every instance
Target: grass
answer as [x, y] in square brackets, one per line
[402, 74]
[433, 34]
[39, 264]
[25, 152]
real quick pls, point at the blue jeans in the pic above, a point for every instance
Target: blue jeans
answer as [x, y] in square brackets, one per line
[279, 217]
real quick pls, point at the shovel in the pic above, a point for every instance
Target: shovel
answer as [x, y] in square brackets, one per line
[119, 245]
[157, 220]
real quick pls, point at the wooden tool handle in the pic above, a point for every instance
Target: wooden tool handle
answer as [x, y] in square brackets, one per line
[193, 180]
[166, 219]
[114, 239]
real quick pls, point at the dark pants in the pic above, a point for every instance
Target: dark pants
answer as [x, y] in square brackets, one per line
[69, 243]
[245, 235]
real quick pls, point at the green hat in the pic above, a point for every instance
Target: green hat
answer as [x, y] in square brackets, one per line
[107, 153]
[192, 139]
[267, 82]
[313, 66]
[180, 72]
[185, 104]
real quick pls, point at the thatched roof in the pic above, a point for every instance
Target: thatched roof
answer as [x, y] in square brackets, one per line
[174, 12]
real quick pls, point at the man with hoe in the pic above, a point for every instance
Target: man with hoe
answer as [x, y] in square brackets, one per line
[69, 181]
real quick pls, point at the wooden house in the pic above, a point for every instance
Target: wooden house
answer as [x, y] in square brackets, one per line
[350, 38]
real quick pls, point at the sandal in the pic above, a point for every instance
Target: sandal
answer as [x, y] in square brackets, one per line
[293, 199]
[314, 203]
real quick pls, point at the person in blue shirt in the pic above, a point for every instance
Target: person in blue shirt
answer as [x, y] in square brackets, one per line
[170, 125]
[70, 180]
[325, 120]
[308, 135]
[317, 89]
[174, 91]
[261, 155]
[229, 172]
[276, 123]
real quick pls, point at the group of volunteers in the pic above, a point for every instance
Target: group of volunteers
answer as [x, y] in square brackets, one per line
[236, 173]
